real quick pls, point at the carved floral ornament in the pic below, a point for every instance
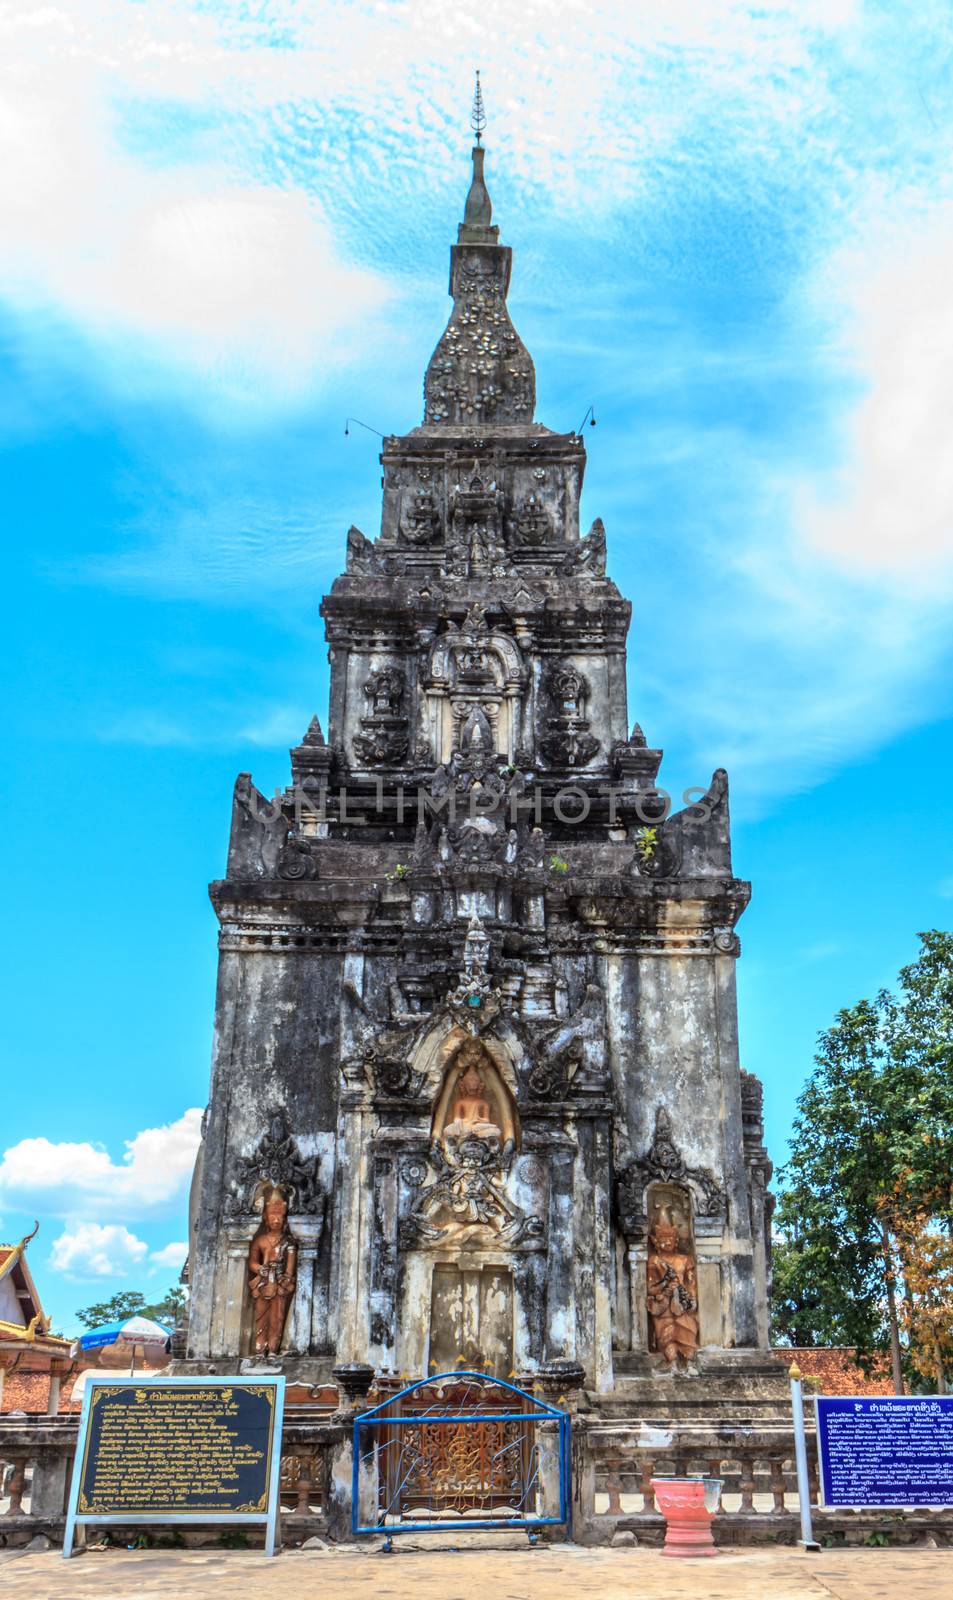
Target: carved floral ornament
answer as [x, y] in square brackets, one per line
[480, 370]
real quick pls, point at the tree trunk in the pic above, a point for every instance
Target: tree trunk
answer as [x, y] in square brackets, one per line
[896, 1363]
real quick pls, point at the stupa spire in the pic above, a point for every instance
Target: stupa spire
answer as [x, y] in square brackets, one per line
[476, 227]
[478, 113]
[480, 372]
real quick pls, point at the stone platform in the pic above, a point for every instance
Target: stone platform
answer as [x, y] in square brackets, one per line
[726, 1388]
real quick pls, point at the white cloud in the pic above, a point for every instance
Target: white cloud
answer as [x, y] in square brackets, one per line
[167, 172]
[889, 509]
[96, 1250]
[171, 1255]
[188, 267]
[82, 1179]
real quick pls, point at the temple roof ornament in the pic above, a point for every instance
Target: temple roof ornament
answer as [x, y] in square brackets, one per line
[481, 372]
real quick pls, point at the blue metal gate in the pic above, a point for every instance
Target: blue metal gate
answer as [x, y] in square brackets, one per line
[460, 1450]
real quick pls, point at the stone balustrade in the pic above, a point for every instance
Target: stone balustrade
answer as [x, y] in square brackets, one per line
[613, 1466]
[758, 1501]
[36, 1456]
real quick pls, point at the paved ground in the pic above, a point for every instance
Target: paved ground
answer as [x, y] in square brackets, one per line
[559, 1573]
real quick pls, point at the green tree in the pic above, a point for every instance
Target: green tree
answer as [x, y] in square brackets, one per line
[127, 1303]
[871, 1159]
[130, 1303]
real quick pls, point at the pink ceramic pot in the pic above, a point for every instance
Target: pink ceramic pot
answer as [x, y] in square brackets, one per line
[688, 1520]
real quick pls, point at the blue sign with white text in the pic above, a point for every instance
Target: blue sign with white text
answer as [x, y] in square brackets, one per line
[885, 1450]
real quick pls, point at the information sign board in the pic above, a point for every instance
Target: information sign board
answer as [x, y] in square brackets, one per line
[885, 1450]
[178, 1450]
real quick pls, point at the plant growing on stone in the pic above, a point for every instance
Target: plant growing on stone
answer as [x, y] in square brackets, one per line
[646, 843]
[558, 864]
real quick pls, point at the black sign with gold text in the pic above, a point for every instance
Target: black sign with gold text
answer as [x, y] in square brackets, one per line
[180, 1448]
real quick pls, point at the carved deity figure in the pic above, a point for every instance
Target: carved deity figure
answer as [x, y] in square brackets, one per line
[672, 1291]
[272, 1271]
[471, 1114]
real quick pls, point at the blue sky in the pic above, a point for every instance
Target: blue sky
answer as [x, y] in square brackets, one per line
[226, 229]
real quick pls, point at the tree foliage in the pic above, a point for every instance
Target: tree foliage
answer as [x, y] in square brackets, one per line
[130, 1303]
[866, 1212]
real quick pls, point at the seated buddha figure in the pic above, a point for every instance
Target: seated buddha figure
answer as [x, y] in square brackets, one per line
[471, 1114]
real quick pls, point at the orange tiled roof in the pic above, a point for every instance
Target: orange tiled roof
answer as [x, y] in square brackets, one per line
[836, 1367]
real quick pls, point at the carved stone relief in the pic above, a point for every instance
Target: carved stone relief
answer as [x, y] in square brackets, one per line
[530, 523]
[420, 522]
[567, 742]
[475, 685]
[474, 1137]
[662, 1162]
[385, 737]
[587, 559]
[276, 1163]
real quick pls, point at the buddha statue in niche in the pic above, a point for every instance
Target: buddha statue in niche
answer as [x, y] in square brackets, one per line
[470, 1111]
[475, 1103]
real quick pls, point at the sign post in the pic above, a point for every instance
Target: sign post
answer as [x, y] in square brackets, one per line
[800, 1457]
[181, 1450]
[890, 1450]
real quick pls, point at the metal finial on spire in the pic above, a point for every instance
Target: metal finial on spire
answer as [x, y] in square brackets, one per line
[478, 114]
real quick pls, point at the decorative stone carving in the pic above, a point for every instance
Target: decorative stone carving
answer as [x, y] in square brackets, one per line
[656, 853]
[634, 762]
[570, 1057]
[385, 737]
[277, 1163]
[295, 860]
[565, 747]
[480, 371]
[311, 759]
[568, 742]
[475, 1001]
[420, 523]
[475, 544]
[530, 523]
[475, 682]
[587, 559]
[384, 691]
[258, 835]
[473, 1141]
[394, 1078]
[381, 747]
[272, 1273]
[672, 1290]
[663, 1163]
[364, 556]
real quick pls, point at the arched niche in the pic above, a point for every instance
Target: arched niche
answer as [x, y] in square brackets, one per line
[673, 1200]
[474, 1101]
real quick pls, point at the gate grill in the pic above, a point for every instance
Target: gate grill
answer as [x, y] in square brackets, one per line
[460, 1450]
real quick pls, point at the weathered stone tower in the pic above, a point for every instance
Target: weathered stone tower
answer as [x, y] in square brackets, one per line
[476, 1040]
